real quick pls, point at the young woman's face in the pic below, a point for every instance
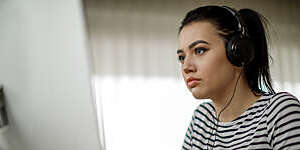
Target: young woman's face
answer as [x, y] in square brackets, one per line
[205, 67]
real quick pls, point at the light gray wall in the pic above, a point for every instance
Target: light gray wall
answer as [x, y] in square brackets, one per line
[45, 70]
[139, 37]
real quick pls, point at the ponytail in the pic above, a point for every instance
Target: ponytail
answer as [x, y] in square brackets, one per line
[258, 72]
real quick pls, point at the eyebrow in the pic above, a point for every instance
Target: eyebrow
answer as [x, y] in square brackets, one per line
[192, 45]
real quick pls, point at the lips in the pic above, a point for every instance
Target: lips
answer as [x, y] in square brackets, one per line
[192, 82]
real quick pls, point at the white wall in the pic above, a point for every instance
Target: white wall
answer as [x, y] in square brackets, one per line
[45, 70]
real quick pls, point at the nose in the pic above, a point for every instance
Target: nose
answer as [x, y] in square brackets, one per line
[188, 66]
[189, 69]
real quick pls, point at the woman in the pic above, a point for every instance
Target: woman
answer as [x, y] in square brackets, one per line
[224, 57]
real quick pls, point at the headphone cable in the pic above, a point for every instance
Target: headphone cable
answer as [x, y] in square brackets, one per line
[227, 104]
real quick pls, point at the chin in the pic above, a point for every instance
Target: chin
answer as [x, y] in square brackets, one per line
[197, 96]
[198, 93]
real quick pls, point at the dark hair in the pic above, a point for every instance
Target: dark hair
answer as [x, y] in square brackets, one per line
[257, 72]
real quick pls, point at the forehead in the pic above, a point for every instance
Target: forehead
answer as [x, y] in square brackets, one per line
[197, 31]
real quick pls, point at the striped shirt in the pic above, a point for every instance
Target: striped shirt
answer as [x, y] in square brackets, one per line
[272, 122]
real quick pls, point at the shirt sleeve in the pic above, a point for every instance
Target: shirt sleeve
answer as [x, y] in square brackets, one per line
[285, 122]
[187, 143]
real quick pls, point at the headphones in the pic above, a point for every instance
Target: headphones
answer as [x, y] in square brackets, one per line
[239, 49]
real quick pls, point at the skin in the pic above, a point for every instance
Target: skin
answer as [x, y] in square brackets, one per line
[202, 56]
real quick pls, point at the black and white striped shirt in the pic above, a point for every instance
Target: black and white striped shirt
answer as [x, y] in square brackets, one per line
[272, 122]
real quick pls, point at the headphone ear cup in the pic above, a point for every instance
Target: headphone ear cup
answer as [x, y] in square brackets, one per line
[239, 51]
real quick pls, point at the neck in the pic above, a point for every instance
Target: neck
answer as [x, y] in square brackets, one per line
[242, 99]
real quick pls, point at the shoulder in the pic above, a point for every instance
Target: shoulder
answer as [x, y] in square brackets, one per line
[283, 105]
[283, 121]
[281, 100]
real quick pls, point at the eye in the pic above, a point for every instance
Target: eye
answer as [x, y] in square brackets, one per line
[200, 50]
[181, 58]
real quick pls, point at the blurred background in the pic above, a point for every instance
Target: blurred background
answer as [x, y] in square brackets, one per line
[142, 100]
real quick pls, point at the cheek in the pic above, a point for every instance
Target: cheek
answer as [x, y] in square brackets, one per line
[210, 66]
[216, 70]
